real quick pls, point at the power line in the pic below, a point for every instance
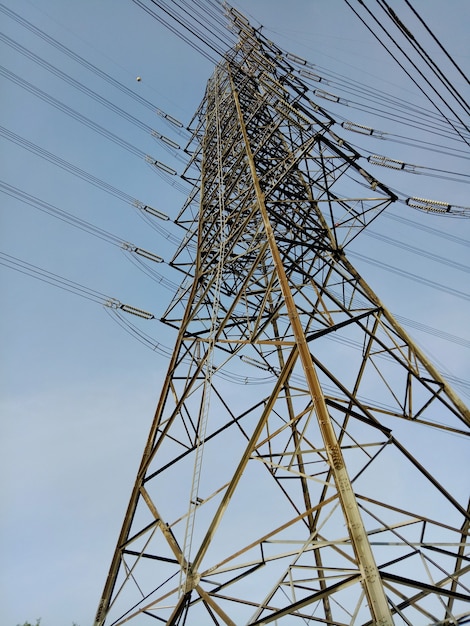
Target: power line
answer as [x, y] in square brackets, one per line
[77, 222]
[56, 280]
[145, 210]
[75, 83]
[429, 229]
[404, 119]
[407, 72]
[52, 278]
[421, 252]
[174, 29]
[89, 66]
[82, 119]
[133, 201]
[438, 43]
[411, 38]
[411, 276]
[114, 308]
[96, 296]
[66, 165]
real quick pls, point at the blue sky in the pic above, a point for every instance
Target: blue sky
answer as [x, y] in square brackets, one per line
[78, 393]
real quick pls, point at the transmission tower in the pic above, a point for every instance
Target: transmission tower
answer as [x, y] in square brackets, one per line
[294, 470]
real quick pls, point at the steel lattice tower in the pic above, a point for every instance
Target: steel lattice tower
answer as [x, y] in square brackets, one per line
[310, 497]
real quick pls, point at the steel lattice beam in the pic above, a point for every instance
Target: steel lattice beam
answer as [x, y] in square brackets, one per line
[282, 481]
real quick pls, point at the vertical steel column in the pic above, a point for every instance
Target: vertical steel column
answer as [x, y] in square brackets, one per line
[372, 583]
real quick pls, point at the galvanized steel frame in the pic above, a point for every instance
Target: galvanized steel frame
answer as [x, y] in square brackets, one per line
[277, 200]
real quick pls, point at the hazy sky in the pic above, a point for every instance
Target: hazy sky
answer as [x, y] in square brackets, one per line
[78, 393]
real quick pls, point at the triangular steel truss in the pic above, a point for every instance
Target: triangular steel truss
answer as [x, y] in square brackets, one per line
[288, 476]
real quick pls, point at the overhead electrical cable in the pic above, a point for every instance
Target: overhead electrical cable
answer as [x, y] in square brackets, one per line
[51, 278]
[203, 19]
[411, 276]
[77, 222]
[137, 333]
[174, 123]
[137, 255]
[421, 252]
[414, 111]
[339, 81]
[411, 168]
[163, 170]
[194, 32]
[146, 212]
[438, 73]
[115, 308]
[438, 42]
[216, 12]
[430, 330]
[420, 170]
[348, 85]
[50, 40]
[75, 83]
[427, 96]
[99, 72]
[405, 119]
[395, 118]
[412, 141]
[60, 214]
[90, 66]
[422, 144]
[24, 84]
[105, 76]
[411, 39]
[208, 24]
[174, 29]
[429, 229]
[66, 165]
[152, 273]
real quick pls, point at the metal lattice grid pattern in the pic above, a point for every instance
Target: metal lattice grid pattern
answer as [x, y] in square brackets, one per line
[287, 477]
